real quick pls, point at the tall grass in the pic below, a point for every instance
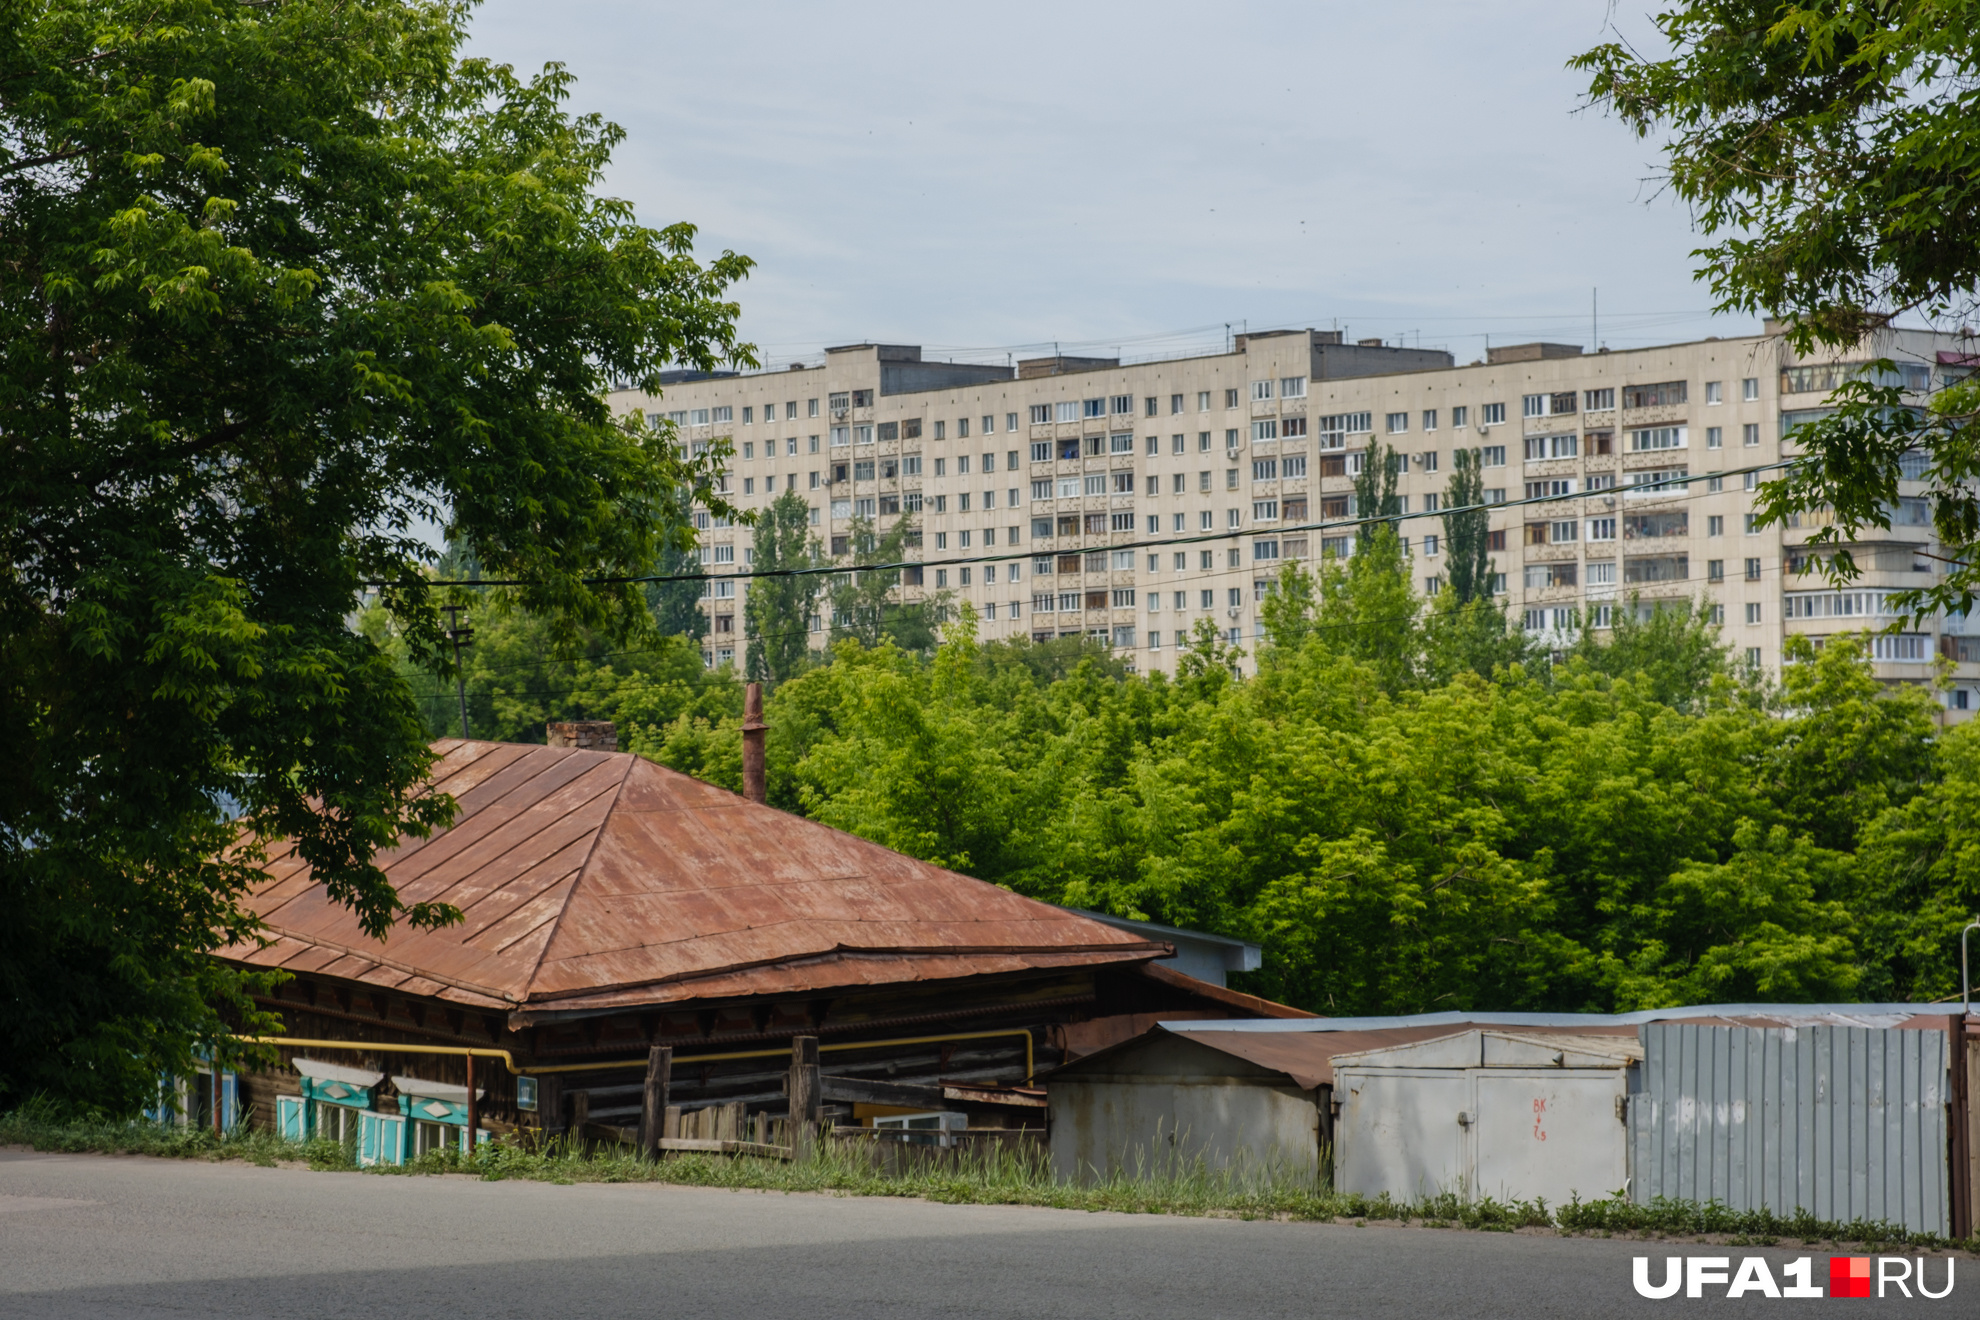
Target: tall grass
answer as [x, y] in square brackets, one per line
[985, 1175]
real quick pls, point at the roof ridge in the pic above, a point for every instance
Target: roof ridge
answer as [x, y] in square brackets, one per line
[531, 836]
[529, 981]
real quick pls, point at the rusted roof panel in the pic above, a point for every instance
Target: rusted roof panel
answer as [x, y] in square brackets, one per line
[597, 879]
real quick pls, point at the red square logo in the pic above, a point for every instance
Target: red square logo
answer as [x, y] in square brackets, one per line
[1849, 1276]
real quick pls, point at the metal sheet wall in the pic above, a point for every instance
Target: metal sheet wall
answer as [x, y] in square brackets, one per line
[1848, 1123]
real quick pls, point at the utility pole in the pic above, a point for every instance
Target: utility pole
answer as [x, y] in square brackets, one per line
[460, 637]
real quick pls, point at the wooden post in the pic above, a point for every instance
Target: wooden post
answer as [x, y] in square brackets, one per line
[218, 1131]
[670, 1121]
[580, 1115]
[1959, 1111]
[474, 1108]
[653, 1103]
[550, 1104]
[806, 1096]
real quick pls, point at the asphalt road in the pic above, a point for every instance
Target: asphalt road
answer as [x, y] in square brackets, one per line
[106, 1237]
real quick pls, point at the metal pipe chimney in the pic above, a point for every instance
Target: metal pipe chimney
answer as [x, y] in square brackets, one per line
[752, 735]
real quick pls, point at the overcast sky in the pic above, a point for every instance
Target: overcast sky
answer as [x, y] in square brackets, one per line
[990, 179]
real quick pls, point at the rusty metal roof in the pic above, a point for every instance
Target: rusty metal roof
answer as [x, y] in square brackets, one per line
[592, 880]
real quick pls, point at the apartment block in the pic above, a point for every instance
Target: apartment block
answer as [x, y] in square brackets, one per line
[1128, 501]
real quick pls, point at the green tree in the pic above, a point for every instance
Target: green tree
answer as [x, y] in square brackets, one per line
[867, 606]
[282, 281]
[1375, 491]
[1369, 607]
[1467, 530]
[1830, 150]
[1751, 929]
[676, 602]
[777, 613]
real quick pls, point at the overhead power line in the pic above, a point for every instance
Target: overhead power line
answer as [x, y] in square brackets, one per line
[1169, 540]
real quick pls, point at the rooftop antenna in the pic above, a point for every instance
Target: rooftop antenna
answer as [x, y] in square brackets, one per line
[460, 637]
[1594, 318]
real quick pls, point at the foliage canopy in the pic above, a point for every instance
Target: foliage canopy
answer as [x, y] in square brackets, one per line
[282, 284]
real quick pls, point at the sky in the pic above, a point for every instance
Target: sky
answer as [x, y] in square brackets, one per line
[994, 180]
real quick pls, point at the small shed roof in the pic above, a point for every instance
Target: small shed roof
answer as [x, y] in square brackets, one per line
[594, 880]
[1502, 1049]
[1307, 1058]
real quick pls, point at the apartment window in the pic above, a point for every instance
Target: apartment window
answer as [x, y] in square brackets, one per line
[1041, 451]
[1010, 423]
[749, 485]
[1122, 403]
[1601, 529]
[1230, 398]
[1752, 523]
[1261, 390]
[1492, 456]
[1292, 387]
[1715, 525]
[1175, 403]
[1749, 434]
[1231, 438]
[1153, 406]
[1203, 401]
[1265, 430]
[1202, 442]
[1714, 392]
[1752, 570]
[1066, 412]
[1096, 483]
[1715, 437]
[1562, 533]
[1713, 485]
[1603, 400]
[1234, 517]
[811, 407]
[1492, 414]
[1664, 394]
[941, 430]
[1430, 549]
[1495, 494]
[1657, 568]
[1429, 419]
[1230, 478]
[1123, 483]
[1395, 423]
[1749, 389]
[862, 435]
[1093, 407]
[811, 444]
[749, 414]
[1753, 612]
[1460, 416]
[1533, 405]
[1657, 437]
[1495, 540]
[1264, 469]
[1120, 444]
[1293, 465]
[1265, 511]
[1658, 481]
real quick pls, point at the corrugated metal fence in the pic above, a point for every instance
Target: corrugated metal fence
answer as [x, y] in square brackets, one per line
[1846, 1122]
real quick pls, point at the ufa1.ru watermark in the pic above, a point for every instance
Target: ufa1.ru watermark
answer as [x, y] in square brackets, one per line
[1849, 1276]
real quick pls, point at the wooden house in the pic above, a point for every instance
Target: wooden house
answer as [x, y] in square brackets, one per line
[612, 906]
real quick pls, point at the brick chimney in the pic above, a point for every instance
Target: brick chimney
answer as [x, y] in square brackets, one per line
[587, 735]
[753, 726]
